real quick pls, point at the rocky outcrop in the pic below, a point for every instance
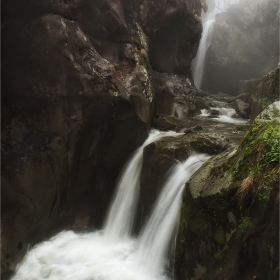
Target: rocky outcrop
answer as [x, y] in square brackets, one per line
[244, 45]
[230, 212]
[160, 156]
[262, 92]
[77, 98]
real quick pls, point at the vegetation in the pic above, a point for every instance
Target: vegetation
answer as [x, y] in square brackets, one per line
[259, 168]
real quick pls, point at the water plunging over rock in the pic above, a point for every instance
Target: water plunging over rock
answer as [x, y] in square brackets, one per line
[119, 222]
[199, 61]
[69, 255]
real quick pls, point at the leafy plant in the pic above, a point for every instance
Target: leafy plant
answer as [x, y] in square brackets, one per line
[244, 223]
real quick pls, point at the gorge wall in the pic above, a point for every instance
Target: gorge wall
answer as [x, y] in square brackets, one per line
[81, 81]
[244, 45]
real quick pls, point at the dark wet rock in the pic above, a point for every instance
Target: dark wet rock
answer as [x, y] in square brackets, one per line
[227, 212]
[202, 93]
[262, 92]
[186, 131]
[160, 156]
[197, 128]
[211, 180]
[165, 123]
[245, 97]
[242, 108]
[270, 113]
[77, 98]
[175, 94]
[214, 112]
[199, 104]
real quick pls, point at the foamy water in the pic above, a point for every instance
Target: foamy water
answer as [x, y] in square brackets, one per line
[119, 222]
[225, 115]
[105, 254]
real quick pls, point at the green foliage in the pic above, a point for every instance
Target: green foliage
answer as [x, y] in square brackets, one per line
[244, 223]
[264, 101]
[220, 254]
[260, 157]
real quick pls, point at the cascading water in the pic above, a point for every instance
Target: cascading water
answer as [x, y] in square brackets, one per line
[119, 222]
[156, 235]
[93, 256]
[199, 61]
[226, 115]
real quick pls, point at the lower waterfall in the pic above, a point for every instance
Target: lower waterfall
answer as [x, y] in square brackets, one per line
[112, 253]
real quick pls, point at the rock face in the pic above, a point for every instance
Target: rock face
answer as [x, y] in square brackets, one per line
[78, 96]
[230, 212]
[244, 45]
[160, 156]
[262, 92]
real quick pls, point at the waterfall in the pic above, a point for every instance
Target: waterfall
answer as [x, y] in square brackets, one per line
[199, 61]
[93, 255]
[119, 222]
[156, 235]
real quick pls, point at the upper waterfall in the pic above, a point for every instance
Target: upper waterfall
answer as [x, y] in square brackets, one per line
[199, 62]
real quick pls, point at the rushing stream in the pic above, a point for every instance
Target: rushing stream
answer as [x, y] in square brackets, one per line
[226, 115]
[113, 253]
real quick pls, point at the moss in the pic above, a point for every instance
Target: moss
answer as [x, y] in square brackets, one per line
[258, 157]
[219, 236]
[199, 223]
[220, 254]
[244, 223]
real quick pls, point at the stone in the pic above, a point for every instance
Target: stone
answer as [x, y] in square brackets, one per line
[270, 113]
[78, 98]
[242, 108]
[161, 155]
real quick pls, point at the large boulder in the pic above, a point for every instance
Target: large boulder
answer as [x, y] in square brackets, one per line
[262, 92]
[230, 212]
[160, 156]
[77, 98]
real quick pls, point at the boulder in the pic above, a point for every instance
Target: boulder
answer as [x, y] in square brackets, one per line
[241, 108]
[270, 113]
[231, 209]
[78, 98]
[163, 154]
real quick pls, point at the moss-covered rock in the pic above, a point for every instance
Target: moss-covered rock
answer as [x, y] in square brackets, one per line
[160, 156]
[229, 219]
[262, 92]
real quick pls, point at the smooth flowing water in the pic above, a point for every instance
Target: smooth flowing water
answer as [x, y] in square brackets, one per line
[119, 222]
[199, 62]
[107, 254]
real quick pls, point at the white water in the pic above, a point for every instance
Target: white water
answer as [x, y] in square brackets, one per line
[93, 256]
[119, 222]
[225, 115]
[198, 64]
[156, 235]
[199, 61]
